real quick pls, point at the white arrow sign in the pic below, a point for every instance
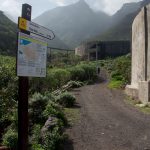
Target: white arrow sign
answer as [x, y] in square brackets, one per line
[35, 28]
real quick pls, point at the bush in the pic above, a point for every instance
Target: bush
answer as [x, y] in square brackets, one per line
[53, 109]
[75, 84]
[90, 71]
[116, 76]
[52, 139]
[77, 73]
[10, 139]
[121, 72]
[62, 76]
[8, 91]
[55, 79]
[122, 66]
[34, 139]
[66, 99]
[37, 105]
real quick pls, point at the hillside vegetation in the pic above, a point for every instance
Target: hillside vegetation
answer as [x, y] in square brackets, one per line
[49, 93]
[8, 35]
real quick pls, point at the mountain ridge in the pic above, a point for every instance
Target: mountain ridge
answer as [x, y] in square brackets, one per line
[74, 23]
[122, 30]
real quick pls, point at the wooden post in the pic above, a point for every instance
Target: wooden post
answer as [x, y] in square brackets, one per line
[23, 96]
[96, 51]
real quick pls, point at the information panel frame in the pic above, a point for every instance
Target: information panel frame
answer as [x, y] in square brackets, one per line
[31, 56]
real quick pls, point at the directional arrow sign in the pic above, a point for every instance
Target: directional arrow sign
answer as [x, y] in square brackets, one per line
[35, 28]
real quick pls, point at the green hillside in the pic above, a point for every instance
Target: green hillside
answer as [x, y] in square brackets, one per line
[7, 35]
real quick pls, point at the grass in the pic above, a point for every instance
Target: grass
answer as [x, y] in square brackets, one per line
[145, 108]
[72, 114]
[115, 84]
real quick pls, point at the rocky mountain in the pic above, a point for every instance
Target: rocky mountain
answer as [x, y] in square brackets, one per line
[121, 27]
[125, 10]
[75, 22]
[7, 35]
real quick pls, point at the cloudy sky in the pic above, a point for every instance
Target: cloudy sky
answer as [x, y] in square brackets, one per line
[13, 7]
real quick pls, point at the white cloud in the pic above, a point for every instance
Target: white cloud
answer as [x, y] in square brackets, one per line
[112, 6]
[62, 2]
[13, 7]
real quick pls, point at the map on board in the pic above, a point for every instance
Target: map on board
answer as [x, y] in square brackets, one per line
[32, 55]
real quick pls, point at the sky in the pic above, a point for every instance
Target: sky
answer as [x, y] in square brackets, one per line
[13, 7]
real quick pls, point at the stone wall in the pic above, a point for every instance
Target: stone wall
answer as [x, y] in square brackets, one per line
[140, 75]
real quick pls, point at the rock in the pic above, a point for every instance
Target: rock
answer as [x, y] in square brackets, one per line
[48, 127]
[140, 105]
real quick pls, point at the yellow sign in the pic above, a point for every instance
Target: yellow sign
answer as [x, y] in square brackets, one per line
[23, 23]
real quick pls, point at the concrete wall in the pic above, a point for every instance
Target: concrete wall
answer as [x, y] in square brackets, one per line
[138, 49]
[80, 50]
[148, 42]
[140, 77]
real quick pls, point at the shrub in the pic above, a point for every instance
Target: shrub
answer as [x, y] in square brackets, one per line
[36, 146]
[122, 66]
[37, 105]
[10, 139]
[121, 72]
[55, 79]
[62, 76]
[53, 109]
[52, 139]
[116, 76]
[90, 71]
[34, 139]
[66, 99]
[77, 73]
[75, 84]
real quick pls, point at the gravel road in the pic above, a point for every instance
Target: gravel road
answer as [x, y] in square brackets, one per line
[107, 122]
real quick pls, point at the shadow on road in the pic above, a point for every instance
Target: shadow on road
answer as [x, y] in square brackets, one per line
[68, 145]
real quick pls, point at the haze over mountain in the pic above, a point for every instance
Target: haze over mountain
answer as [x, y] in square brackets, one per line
[75, 22]
[121, 26]
[78, 22]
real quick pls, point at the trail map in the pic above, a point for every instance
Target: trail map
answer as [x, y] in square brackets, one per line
[32, 55]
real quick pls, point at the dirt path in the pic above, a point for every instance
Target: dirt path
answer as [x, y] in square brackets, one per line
[107, 123]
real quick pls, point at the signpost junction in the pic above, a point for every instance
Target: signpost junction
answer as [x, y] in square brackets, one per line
[31, 62]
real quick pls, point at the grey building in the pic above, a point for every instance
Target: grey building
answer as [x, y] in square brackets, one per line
[103, 49]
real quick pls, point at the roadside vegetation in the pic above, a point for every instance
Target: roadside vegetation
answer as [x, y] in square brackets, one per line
[118, 69]
[49, 102]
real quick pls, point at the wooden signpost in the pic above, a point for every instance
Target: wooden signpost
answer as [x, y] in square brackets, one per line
[31, 61]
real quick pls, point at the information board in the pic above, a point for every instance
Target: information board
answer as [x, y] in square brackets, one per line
[31, 56]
